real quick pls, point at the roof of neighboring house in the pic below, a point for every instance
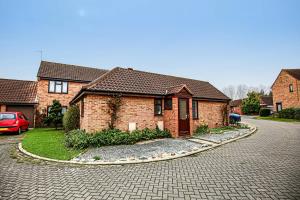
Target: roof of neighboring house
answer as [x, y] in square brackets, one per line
[236, 103]
[139, 82]
[17, 91]
[52, 70]
[266, 100]
[293, 72]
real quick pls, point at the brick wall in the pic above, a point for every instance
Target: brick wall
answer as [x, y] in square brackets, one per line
[281, 91]
[45, 99]
[210, 113]
[137, 110]
[140, 110]
[2, 108]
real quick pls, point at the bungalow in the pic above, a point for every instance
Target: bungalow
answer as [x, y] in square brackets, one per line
[150, 100]
[18, 96]
[286, 89]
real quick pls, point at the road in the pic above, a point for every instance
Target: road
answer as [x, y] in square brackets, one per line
[265, 165]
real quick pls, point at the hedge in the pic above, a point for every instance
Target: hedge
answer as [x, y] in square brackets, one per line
[264, 112]
[290, 113]
[79, 139]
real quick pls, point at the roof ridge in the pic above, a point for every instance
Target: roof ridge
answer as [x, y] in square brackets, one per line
[94, 67]
[173, 76]
[100, 78]
[17, 80]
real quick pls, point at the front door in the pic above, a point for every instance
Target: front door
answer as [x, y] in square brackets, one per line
[278, 107]
[184, 117]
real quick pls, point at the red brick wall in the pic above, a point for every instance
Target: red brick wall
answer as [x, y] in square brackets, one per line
[210, 113]
[45, 99]
[140, 110]
[137, 110]
[2, 108]
[281, 91]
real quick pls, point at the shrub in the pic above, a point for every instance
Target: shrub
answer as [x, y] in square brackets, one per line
[251, 104]
[54, 115]
[287, 113]
[71, 119]
[202, 129]
[77, 139]
[297, 114]
[264, 112]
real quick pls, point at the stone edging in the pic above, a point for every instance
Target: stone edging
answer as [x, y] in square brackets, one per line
[118, 162]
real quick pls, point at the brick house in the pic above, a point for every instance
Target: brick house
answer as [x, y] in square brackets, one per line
[286, 89]
[150, 100]
[61, 82]
[265, 102]
[18, 95]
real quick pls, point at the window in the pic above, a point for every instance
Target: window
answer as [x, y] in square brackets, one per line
[168, 104]
[82, 108]
[195, 110]
[291, 88]
[157, 106]
[278, 107]
[58, 87]
[63, 109]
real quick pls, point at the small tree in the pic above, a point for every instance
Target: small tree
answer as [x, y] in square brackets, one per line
[54, 115]
[251, 105]
[114, 103]
[71, 118]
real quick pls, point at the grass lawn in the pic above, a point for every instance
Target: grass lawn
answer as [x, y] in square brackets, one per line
[48, 142]
[277, 119]
[221, 129]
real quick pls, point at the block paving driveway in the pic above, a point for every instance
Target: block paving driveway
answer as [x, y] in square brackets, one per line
[265, 165]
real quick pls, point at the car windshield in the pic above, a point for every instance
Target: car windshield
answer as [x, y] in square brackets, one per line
[4, 116]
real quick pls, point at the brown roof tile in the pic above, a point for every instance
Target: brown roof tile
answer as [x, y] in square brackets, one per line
[17, 91]
[140, 82]
[266, 100]
[68, 72]
[293, 72]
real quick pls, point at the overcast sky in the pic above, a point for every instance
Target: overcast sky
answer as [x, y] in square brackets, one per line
[224, 42]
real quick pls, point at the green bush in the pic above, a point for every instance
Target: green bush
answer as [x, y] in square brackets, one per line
[79, 139]
[251, 104]
[71, 119]
[287, 113]
[202, 129]
[264, 112]
[297, 114]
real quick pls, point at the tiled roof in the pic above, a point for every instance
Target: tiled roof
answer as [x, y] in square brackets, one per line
[68, 72]
[236, 103]
[293, 72]
[176, 89]
[17, 91]
[140, 82]
[266, 100]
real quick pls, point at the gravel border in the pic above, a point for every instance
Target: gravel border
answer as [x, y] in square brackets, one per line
[121, 162]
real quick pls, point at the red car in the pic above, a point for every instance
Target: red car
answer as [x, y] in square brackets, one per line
[13, 122]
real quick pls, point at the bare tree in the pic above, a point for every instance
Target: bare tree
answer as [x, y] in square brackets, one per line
[230, 91]
[241, 91]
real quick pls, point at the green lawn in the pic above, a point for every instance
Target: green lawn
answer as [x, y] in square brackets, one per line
[277, 119]
[48, 142]
[221, 129]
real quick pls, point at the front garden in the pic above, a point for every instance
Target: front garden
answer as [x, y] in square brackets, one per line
[285, 115]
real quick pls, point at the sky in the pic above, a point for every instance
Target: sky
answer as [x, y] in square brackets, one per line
[225, 42]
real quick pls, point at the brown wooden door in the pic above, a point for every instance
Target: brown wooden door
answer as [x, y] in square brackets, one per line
[183, 117]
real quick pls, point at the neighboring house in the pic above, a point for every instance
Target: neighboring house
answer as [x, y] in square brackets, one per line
[286, 89]
[150, 100]
[18, 95]
[61, 82]
[265, 102]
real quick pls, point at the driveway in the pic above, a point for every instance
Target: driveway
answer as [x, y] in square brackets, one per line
[265, 165]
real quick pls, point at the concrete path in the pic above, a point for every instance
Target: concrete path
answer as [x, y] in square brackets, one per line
[265, 165]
